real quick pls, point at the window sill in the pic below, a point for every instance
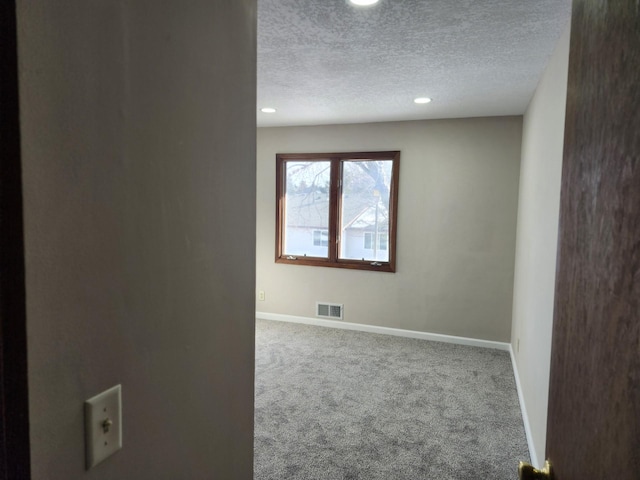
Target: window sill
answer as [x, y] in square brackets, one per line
[369, 265]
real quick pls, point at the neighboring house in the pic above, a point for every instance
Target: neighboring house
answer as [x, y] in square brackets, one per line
[365, 226]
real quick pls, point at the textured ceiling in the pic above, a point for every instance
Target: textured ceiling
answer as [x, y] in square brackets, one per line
[325, 61]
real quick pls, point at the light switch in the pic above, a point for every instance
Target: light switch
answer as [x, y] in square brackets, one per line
[103, 425]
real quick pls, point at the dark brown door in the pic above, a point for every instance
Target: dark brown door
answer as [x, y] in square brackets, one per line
[14, 424]
[593, 426]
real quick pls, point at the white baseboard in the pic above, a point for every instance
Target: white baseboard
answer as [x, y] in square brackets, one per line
[535, 461]
[435, 337]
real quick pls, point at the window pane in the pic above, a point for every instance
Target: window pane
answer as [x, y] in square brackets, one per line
[365, 210]
[307, 208]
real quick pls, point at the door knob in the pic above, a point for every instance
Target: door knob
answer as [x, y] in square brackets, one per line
[526, 471]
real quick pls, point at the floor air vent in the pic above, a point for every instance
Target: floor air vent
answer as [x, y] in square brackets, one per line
[329, 310]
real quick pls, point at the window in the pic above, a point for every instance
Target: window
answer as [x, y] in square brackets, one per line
[320, 238]
[369, 243]
[337, 209]
[368, 240]
[383, 241]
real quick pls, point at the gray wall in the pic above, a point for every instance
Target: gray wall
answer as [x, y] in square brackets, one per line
[536, 245]
[457, 202]
[138, 124]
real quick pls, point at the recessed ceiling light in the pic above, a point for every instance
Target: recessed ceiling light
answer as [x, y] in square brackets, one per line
[268, 110]
[364, 3]
[422, 100]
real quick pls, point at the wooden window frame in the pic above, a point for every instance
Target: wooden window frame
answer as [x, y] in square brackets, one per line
[335, 207]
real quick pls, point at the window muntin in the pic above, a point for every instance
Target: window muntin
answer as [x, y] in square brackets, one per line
[328, 204]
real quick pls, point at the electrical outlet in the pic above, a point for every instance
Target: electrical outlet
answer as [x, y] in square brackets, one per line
[103, 425]
[261, 295]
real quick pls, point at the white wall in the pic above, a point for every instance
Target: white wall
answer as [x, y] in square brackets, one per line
[138, 149]
[456, 228]
[539, 203]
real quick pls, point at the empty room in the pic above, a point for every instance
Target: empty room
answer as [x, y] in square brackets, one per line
[408, 187]
[423, 111]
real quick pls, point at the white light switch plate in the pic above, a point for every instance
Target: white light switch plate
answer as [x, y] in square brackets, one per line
[103, 425]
